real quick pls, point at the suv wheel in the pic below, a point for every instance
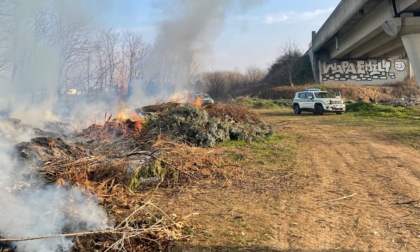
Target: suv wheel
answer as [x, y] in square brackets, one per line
[319, 110]
[296, 109]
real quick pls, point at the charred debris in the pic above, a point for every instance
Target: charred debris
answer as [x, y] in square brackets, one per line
[120, 161]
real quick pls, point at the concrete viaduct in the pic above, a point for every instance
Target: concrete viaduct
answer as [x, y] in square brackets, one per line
[368, 42]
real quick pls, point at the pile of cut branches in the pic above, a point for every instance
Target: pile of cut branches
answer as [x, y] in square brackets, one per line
[113, 128]
[122, 182]
[147, 228]
[208, 126]
[122, 162]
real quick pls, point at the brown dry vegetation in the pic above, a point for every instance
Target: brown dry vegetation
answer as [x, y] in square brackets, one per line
[123, 162]
[324, 183]
[321, 183]
[350, 92]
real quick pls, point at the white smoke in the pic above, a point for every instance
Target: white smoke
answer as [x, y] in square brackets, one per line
[32, 63]
[184, 38]
[42, 34]
[31, 69]
[13, 133]
[30, 208]
[39, 37]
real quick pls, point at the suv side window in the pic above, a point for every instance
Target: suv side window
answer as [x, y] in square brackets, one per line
[309, 95]
[302, 95]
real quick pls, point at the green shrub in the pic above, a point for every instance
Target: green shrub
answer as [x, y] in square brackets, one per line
[358, 106]
[258, 103]
[264, 104]
[369, 109]
[193, 125]
[284, 102]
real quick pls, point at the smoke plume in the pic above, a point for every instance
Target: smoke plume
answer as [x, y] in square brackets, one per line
[30, 208]
[31, 64]
[39, 40]
[48, 49]
[183, 39]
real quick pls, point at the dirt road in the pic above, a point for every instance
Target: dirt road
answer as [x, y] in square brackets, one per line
[324, 183]
[351, 190]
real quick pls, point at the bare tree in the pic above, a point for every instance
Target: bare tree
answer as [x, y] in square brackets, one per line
[83, 59]
[290, 55]
[216, 84]
[134, 50]
[287, 66]
[254, 76]
[67, 33]
[110, 39]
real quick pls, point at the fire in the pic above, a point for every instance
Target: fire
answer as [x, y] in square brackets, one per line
[126, 124]
[133, 120]
[121, 113]
[179, 96]
[138, 121]
[198, 101]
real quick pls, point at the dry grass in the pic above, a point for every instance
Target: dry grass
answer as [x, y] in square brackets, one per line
[188, 164]
[127, 172]
[406, 88]
[350, 92]
[236, 112]
[148, 228]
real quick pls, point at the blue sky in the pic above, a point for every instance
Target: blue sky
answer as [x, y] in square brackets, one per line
[250, 38]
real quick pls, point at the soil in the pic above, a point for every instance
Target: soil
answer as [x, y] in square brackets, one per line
[321, 183]
[356, 192]
[345, 190]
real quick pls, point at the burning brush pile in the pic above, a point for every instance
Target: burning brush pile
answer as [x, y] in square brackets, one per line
[121, 161]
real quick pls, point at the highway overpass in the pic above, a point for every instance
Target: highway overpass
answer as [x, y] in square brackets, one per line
[368, 42]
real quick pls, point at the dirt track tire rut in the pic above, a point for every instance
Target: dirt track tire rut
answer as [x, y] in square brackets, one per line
[346, 196]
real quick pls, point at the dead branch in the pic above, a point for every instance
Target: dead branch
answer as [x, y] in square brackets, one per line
[341, 198]
[147, 153]
[120, 231]
[190, 215]
[58, 235]
[126, 220]
[407, 202]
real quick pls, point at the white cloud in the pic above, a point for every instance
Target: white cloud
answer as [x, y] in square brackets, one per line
[276, 18]
[318, 13]
[297, 17]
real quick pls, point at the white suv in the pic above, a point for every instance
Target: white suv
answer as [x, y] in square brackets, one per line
[318, 102]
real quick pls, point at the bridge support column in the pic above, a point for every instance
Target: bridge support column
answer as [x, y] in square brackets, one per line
[412, 46]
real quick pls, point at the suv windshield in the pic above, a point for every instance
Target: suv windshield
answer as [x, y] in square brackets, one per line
[323, 95]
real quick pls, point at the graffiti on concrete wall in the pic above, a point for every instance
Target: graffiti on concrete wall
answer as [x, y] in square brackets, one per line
[361, 70]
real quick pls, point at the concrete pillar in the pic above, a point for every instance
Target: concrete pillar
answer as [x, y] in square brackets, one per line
[412, 47]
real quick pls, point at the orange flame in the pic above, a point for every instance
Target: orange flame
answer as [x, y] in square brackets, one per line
[198, 101]
[138, 121]
[124, 125]
[121, 113]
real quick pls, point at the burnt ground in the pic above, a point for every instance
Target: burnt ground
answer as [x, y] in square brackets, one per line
[347, 188]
